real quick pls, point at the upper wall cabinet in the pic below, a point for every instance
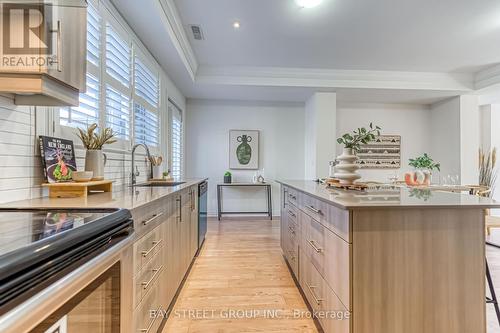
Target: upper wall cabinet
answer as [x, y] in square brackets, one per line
[43, 51]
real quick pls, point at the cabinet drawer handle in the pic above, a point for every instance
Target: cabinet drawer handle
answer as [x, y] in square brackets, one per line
[152, 322]
[311, 290]
[293, 197]
[155, 244]
[314, 210]
[292, 230]
[156, 271]
[291, 214]
[179, 217]
[318, 250]
[154, 217]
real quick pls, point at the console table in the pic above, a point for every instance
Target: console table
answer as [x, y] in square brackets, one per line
[267, 186]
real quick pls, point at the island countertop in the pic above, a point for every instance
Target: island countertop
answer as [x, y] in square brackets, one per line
[387, 196]
[124, 196]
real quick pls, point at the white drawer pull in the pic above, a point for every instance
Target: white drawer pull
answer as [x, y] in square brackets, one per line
[156, 271]
[317, 300]
[147, 252]
[313, 245]
[152, 322]
[155, 216]
[314, 210]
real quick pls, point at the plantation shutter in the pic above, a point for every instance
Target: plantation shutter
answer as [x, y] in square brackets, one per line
[146, 100]
[88, 110]
[177, 140]
[118, 112]
[117, 57]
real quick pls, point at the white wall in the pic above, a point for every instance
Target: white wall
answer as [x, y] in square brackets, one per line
[320, 122]
[445, 135]
[282, 133]
[412, 122]
[469, 139]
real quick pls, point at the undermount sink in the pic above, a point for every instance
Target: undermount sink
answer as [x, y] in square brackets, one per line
[158, 184]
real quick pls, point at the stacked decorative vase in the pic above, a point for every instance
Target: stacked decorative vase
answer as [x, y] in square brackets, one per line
[346, 170]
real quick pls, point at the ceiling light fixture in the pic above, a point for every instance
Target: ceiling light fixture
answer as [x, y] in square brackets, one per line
[236, 25]
[308, 3]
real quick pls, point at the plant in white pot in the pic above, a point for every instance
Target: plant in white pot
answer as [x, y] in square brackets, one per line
[93, 141]
[346, 169]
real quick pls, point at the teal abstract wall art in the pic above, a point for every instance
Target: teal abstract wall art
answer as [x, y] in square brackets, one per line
[244, 149]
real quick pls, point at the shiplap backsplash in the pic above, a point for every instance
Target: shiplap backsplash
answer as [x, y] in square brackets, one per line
[21, 175]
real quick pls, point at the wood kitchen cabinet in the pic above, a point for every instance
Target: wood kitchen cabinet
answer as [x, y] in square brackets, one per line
[163, 253]
[370, 265]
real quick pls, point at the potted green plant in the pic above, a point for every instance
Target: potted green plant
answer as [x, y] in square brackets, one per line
[424, 165]
[227, 177]
[346, 169]
[93, 141]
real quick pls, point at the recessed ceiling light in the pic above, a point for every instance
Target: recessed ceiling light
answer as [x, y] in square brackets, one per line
[308, 3]
[236, 25]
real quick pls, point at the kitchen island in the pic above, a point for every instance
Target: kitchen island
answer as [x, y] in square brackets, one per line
[152, 262]
[388, 260]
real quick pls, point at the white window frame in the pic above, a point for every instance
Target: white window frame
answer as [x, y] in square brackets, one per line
[153, 67]
[108, 14]
[182, 139]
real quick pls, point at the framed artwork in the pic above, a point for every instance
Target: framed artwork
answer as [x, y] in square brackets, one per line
[244, 149]
[383, 153]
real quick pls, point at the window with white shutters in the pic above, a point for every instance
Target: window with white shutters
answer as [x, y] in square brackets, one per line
[146, 95]
[145, 125]
[93, 36]
[176, 132]
[118, 113]
[146, 83]
[117, 56]
[88, 110]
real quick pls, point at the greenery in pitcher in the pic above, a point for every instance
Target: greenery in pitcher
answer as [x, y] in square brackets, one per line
[424, 162]
[95, 141]
[359, 136]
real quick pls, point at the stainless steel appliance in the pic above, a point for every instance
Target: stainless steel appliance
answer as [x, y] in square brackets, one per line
[202, 212]
[59, 270]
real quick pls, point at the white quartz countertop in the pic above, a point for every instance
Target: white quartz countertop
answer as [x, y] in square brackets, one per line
[390, 197]
[122, 197]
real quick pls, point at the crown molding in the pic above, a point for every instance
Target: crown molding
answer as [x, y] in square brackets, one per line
[327, 78]
[178, 36]
[487, 77]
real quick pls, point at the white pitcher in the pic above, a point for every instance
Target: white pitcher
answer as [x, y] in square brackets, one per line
[95, 160]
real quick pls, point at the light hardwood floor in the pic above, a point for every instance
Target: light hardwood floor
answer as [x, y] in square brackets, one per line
[240, 268]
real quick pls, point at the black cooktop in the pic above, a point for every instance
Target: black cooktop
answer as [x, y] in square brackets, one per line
[37, 247]
[20, 229]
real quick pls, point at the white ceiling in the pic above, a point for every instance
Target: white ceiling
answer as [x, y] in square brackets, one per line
[439, 36]
[402, 35]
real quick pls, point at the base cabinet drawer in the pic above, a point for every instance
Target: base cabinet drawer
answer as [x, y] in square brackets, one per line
[331, 313]
[329, 254]
[146, 247]
[292, 255]
[148, 276]
[150, 313]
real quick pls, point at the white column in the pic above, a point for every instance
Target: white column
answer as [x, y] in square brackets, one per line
[320, 134]
[455, 138]
[469, 139]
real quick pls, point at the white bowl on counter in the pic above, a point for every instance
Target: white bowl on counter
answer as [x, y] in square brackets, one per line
[82, 176]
